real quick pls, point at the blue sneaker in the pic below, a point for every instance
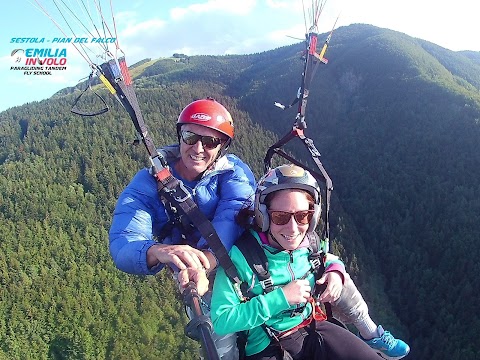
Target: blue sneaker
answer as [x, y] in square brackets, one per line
[387, 346]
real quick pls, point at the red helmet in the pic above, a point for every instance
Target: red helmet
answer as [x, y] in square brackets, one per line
[209, 113]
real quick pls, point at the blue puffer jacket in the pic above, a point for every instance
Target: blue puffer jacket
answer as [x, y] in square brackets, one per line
[139, 214]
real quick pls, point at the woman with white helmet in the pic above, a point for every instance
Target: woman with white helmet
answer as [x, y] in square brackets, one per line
[278, 322]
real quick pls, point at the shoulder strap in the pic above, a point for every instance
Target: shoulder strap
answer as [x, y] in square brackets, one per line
[256, 259]
[173, 190]
[317, 248]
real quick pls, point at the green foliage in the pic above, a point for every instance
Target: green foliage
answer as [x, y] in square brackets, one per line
[396, 120]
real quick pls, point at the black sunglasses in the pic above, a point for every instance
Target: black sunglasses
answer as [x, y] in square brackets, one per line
[208, 142]
[283, 217]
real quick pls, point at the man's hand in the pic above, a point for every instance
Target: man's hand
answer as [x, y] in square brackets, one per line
[334, 286]
[182, 256]
[198, 276]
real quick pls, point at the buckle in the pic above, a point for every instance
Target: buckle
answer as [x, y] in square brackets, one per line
[267, 283]
[178, 191]
[316, 262]
[298, 311]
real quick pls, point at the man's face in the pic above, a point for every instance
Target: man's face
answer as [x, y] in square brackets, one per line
[197, 157]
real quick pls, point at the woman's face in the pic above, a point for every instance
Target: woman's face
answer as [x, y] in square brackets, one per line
[197, 158]
[290, 235]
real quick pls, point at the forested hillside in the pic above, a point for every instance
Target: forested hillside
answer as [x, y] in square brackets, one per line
[397, 122]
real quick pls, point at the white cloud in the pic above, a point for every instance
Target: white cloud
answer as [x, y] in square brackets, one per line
[124, 18]
[292, 5]
[232, 7]
[143, 28]
[277, 4]
[295, 33]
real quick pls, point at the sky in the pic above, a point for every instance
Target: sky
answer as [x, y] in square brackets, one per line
[160, 28]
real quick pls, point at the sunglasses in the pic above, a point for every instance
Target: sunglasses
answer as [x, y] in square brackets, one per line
[283, 217]
[208, 142]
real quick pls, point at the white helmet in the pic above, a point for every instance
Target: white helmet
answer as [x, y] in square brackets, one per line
[286, 177]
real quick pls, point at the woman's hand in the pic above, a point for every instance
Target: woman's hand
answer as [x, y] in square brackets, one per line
[297, 291]
[334, 286]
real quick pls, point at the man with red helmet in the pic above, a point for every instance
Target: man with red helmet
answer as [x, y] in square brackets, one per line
[219, 182]
[145, 234]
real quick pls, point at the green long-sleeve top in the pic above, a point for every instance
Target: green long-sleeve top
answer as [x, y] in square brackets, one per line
[229, 314]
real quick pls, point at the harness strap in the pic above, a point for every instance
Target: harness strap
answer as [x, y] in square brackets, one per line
[175, 192]
[316, 315]
[315, 154]
[284, 334]
[258, 262]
